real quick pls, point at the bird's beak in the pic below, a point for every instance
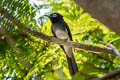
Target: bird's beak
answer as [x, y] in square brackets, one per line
[47, 16]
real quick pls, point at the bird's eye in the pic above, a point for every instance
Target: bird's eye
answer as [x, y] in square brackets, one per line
[54, 15]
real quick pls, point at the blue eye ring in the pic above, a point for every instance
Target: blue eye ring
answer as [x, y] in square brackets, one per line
[54, 15]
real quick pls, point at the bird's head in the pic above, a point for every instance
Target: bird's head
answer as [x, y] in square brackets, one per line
[54, 17]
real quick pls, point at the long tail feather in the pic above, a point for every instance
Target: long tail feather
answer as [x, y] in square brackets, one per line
[72, 65]
[71, 60]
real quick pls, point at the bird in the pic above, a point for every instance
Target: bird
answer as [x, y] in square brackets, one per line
[61, 30]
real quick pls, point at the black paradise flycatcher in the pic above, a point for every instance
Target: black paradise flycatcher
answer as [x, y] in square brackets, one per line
[61, 30]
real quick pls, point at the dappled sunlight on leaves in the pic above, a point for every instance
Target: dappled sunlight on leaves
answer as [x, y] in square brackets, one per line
[47, 60]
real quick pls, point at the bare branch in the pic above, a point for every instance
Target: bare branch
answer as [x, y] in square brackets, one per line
[109, 75]
[113, 47]
[90, 48]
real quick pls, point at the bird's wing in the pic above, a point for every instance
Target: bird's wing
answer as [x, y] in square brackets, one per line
[67, 30]
[53, 31]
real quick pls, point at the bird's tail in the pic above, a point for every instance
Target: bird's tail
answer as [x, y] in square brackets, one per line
[70, 59]
[72, 65]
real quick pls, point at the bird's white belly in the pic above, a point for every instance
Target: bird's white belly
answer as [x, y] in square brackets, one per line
[61, 34]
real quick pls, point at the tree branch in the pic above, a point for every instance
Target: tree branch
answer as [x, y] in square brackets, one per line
[113, 47]
[90, 48]
[109, 75]
[106, 11]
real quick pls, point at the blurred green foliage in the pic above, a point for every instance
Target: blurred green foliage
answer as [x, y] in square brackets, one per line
[47, 59]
